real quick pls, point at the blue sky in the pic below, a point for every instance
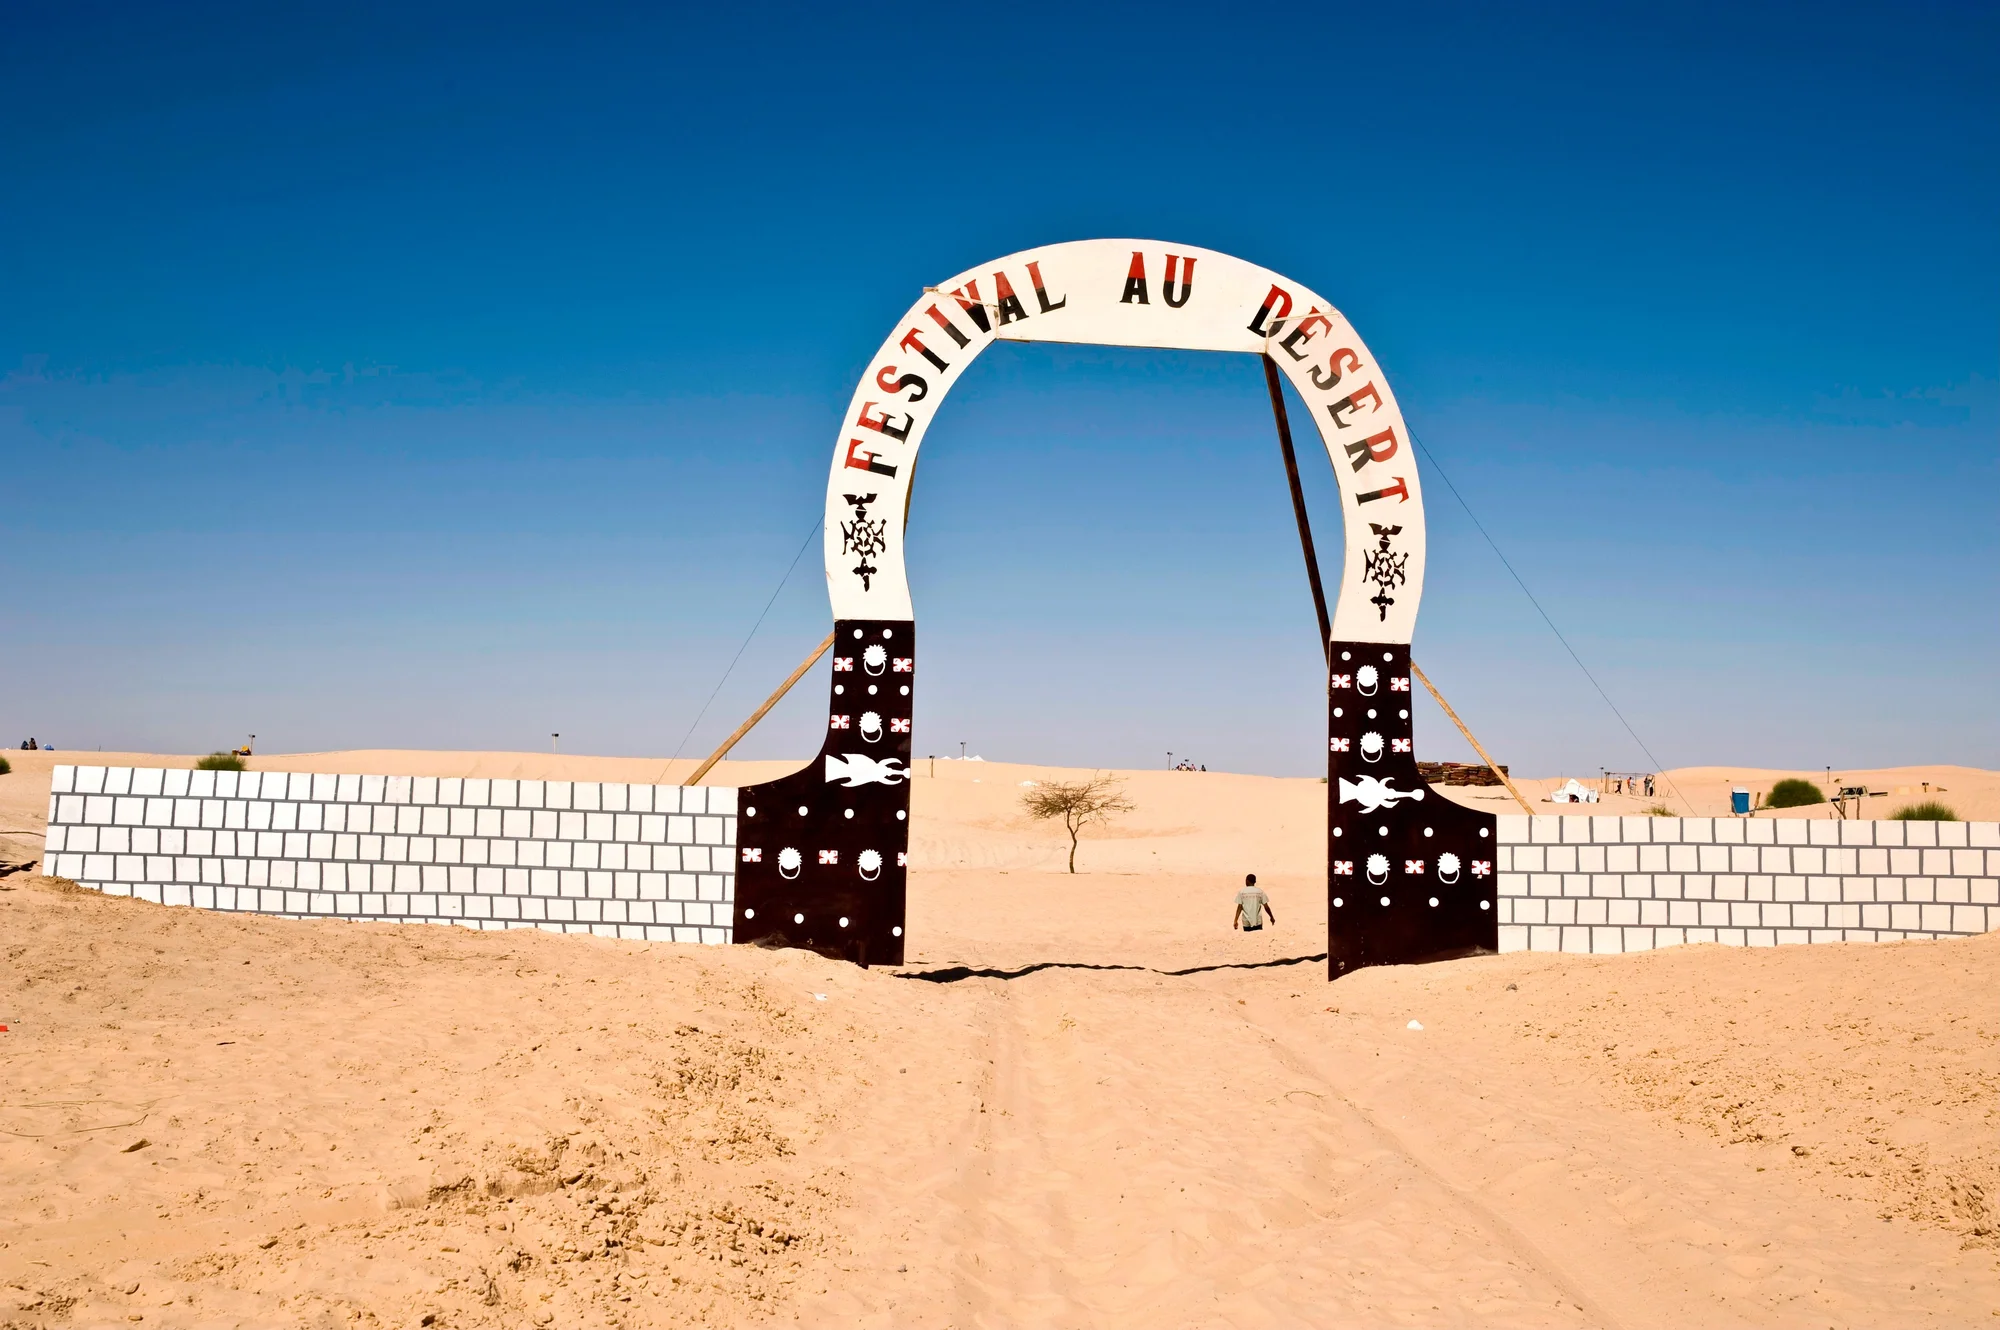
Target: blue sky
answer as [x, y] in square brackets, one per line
[448, 378]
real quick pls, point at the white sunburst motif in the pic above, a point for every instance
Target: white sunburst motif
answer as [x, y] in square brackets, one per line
[870, 864]
[1378, 868]
[789, 860]
[871, 726]
[1365, 679]
[1371, 746]
[875, 658]
[1447, 867]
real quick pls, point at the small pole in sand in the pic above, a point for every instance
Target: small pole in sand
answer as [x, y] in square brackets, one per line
[552, 742]
[1493, 766]
[961, 750]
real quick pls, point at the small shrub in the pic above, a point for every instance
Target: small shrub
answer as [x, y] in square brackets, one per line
[1661, 810]
[220, 762]
[1794, 794]
[5, 766]
[1077, 804]
[1930, 810]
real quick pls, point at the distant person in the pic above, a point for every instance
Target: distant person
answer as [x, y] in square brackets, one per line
[1251, 906]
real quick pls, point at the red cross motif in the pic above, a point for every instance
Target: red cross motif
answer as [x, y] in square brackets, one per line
[829, 856]
[900, 665]
[1399, 685]
[837, 723]
[1399, 745]
[1343, 868]
[843, 664]
[752, 856]
[1341, 681]
[1413, 866]
[900, 725]
[902, 859]
[1336, 745]
[1482, 868]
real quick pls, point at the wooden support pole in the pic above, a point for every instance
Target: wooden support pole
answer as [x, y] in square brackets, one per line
[1484, 756]
[1299, 506]
[760, 712]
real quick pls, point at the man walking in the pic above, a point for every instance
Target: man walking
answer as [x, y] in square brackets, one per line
[1251, 906]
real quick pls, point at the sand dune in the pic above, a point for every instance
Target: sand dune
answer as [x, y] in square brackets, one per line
[1084, 1103]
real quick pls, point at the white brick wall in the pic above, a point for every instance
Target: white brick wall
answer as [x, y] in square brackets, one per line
[1607, 884]
[652, 862]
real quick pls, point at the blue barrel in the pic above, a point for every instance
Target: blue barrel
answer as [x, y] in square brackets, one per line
[1739, 801]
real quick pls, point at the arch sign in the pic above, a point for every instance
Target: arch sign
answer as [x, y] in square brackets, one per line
[824, 851]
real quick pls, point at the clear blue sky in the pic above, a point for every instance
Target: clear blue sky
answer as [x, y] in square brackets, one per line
[428, 377]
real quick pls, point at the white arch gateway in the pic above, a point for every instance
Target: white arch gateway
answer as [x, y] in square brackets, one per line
[1126, 293]
[824, 852]
[818, 858]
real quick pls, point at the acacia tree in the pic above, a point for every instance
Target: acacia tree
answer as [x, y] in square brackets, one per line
[1078, 803]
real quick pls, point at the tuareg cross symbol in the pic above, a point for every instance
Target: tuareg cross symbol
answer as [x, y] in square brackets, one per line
[1384, 569]
[863, 537]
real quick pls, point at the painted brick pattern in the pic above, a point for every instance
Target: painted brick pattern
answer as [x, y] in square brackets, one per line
[1612, 884]
[649, 862]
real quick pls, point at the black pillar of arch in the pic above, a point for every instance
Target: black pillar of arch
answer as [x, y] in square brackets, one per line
[823, 853]
[1409, 873]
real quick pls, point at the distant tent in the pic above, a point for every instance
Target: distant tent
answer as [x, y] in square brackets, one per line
[1573, 793]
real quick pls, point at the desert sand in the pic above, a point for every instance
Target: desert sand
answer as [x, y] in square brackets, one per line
[1085, 1102]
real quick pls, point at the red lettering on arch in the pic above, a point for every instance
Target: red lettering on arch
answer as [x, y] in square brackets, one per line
[1352, 402]
[890, 380]
[967, 297]
[883, 424]
[1375, 448]
[1308, 329]
[1008, 303]
[1400, 492]
[866, 460]
[913, 341]
[1042, 292]
[1279, 300]
[1135, 282]
[1330, 376]
[952, 328]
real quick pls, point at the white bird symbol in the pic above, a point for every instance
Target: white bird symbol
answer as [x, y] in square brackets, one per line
[852, 769]
[1373, 793]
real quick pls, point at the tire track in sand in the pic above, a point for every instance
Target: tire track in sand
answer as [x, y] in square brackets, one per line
[1172, 1178]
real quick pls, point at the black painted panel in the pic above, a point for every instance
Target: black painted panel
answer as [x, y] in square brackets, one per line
[1390, 837]
[823, 853]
